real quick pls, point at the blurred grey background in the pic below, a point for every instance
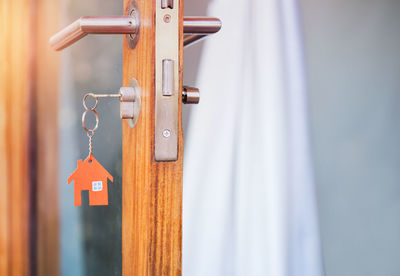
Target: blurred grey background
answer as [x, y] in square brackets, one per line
[91, 236]
[352, 66]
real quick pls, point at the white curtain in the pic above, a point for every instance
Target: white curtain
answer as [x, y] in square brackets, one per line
[249, 199]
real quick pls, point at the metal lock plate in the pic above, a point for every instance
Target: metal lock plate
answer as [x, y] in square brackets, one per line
[167, 81]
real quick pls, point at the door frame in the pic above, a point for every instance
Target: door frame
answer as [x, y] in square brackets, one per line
[29, 218]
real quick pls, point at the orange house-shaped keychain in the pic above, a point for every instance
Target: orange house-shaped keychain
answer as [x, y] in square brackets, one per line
[90, 176]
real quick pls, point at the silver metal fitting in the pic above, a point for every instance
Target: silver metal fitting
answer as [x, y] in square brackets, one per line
[130, 102]
[190, 95]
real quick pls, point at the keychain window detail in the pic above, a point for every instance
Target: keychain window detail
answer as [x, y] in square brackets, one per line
[97, 186]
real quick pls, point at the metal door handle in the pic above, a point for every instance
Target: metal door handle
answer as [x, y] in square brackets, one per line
[194, 28]
[93, 25]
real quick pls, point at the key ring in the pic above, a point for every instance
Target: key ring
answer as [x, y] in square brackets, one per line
[93, 108]
[94, 97]
[88, 130]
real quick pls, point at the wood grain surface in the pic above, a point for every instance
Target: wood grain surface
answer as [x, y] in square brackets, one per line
[47, 63]
[15, 110]
[152, 191]
[28, 138]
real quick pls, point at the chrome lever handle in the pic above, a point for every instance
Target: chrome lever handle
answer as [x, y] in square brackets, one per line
[93, 25]
[194, 28]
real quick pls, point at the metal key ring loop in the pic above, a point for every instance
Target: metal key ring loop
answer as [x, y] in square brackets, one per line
[84, 101]
[83, 121]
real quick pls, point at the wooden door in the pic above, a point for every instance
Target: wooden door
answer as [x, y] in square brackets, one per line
[152, 191]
